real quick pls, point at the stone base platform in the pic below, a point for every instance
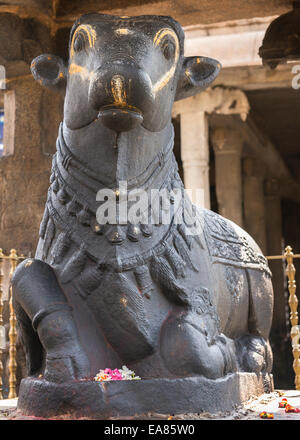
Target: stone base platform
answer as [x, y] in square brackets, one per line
[103, 400]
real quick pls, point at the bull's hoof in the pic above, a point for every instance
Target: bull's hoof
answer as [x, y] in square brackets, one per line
[254, 354]
[67, 366]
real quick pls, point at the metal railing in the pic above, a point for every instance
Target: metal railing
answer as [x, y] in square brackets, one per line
[290, 271]
[13, 259]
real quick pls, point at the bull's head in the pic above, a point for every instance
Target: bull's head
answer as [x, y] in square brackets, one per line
[124, 71]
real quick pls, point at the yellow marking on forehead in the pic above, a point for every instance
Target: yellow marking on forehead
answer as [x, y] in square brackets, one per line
[89, 31]
[163, 81]
[123, 31]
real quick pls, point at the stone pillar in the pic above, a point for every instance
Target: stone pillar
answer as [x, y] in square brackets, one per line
[31, 120]
[254, 201]
[195, 155]
[24, 174]
[227, 144]
[278, 337]
[273, 217]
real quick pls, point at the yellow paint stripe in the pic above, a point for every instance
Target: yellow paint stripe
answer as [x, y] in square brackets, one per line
[80, 70]
[162, 33]
[163, 81]
[89, 32]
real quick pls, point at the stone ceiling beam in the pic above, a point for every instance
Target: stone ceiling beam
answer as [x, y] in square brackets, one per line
[219, 100]
[187, 12]
[256, 77]
[28, 12]
[218, 39]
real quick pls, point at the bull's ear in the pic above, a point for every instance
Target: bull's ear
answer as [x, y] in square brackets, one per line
[197, 73]
[50, 71]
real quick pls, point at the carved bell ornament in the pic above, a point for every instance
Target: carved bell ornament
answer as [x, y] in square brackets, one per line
[281, 42]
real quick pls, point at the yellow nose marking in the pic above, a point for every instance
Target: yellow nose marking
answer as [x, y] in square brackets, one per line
[118, 91]
[163, 81]
[88, 32]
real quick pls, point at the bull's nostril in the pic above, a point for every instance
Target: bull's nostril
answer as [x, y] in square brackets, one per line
[118, 90]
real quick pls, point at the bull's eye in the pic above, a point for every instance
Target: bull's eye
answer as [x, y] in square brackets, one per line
[168, 50]
[79, 43]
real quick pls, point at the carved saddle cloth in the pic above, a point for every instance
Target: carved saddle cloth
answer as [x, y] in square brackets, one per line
[227, 246]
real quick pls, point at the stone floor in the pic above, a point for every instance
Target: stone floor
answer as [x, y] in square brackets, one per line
[6, 407]
[249, 411]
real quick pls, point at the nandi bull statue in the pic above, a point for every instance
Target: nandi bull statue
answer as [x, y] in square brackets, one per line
[189, 312]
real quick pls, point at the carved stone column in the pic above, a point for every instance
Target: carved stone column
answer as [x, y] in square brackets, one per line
[254, 201]
[195, 155]
[31, 119]
[193, 112]
[274, 247]
[273, 216]
[227, 145]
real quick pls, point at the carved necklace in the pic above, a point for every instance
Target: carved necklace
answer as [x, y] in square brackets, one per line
[74, 214]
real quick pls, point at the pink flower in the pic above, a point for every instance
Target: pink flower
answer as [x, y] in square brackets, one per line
[116, 375]
[107, 374]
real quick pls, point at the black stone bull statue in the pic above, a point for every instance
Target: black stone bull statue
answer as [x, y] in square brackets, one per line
[166, 302]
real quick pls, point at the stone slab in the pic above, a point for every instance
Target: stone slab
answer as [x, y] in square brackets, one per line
[97, 400]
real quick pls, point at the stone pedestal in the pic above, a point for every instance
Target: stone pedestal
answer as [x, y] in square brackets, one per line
[227, 145]
[97, 400]
[195, 156]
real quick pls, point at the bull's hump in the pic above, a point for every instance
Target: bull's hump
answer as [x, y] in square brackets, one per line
[229, 244]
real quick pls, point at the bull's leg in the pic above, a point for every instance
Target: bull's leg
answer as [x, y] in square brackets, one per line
[253, 349]
[191, 346]
[32, 346]
[39, 299]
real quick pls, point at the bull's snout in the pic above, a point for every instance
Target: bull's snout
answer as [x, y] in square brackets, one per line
[122, 93]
